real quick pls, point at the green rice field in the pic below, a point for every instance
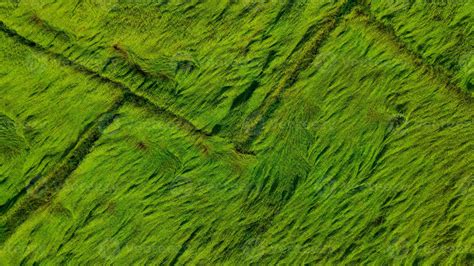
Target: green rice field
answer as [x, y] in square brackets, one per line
[236, 132]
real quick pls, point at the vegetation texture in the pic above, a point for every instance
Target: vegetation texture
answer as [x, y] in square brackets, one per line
[236, 132]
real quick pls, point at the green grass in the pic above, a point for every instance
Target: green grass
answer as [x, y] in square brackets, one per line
[236, 132]
[229, 56]
[12, 141]
[440, 31]
[44, 109]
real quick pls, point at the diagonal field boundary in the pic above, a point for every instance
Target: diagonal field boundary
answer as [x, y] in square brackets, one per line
[311, 49]
[40, 192]
[316, 36]
[436, 71]
[87, 71]
[44, 191]
[314, 39]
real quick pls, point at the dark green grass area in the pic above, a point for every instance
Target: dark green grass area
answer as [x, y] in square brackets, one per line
[236, 132]
[440, 31]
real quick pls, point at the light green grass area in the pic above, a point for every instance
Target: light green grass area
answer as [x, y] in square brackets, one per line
[43, 110]
[237, 132]
[202, 64]
[146, 185]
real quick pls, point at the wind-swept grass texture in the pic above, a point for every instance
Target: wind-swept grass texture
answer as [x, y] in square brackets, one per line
[236, 132]
[44, 109]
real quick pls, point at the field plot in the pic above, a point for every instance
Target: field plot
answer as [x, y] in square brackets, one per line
[172, 54]
[379, 179]
[44, 114]
[439, 31]
[236, 132]
[145, 180]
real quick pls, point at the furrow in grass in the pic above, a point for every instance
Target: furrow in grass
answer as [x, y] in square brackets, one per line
[437, 71]
[207, 71]
[130, 95]
[85, 70]
[42, 193]
[50, 107]
[309, 51]
[441, 33]
[12, 201]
